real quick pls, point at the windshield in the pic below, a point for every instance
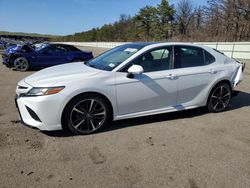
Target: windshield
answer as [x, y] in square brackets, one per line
[39, 47]
[112, 58]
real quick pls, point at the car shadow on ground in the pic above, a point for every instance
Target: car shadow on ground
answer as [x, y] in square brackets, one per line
[240, 101]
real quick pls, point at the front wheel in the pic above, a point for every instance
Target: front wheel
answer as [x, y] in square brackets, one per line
[21, 64]
[219, 98]
[86, 114]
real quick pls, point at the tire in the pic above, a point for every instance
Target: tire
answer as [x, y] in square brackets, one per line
[219, 98]
[86, 114]
[21, 64]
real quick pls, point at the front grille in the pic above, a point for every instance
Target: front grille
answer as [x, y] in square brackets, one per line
[33, 114]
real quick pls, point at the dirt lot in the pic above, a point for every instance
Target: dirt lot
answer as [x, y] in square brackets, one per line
[186, 149]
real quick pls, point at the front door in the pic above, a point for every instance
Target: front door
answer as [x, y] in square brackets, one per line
[155, 89]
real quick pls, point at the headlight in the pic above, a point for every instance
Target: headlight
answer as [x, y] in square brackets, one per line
[40, 91]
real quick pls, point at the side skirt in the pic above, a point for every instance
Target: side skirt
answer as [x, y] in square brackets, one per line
[154, 112]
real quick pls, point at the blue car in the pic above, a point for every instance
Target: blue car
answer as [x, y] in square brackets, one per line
[26, 57]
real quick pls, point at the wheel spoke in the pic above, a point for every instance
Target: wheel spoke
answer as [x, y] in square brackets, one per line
[92, 124]
[18, 65]
[79, 111]
[221, 90]
[223, 104]
[228, 94]
[91, 105]
[99, 114]
[213, 96]
[77, 126]
[216, 105]
[80, 118]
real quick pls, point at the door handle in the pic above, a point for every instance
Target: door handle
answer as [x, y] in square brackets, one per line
[172, 76]
[212, 71]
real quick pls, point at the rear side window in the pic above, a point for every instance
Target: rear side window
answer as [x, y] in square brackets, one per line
[189, 56]
[72, 48]
[208, 58]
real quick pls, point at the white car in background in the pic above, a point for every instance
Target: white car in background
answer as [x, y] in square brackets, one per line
[131, 80]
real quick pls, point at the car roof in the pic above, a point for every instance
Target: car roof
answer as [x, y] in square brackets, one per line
[160, 44]
[171, 44]
[59, 44]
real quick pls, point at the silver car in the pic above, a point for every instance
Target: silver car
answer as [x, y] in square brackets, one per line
[131, 80]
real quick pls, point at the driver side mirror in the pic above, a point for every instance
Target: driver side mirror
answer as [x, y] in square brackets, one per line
[133, 70]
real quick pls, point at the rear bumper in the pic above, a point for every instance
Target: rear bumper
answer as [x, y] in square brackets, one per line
[239, 74]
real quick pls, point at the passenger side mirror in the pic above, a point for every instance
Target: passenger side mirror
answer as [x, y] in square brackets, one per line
[133, 70]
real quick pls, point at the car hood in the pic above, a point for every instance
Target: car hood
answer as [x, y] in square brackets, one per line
[61, 73]
[12, 49]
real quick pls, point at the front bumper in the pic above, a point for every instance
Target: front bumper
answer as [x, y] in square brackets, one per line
[6, 60]
[41, 112]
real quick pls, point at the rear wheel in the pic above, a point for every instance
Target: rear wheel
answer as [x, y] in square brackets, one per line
[86, 114]
[219, 98]
[21, 64]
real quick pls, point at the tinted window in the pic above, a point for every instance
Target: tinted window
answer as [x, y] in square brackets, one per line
[26, 49]
[155, 60]
[208, 58]
[72, 48]
[188, 56]
[56, 49]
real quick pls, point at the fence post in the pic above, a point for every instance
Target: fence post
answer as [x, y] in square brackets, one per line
[216, 45]
[232, 54]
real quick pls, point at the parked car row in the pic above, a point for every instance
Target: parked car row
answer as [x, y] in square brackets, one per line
[28, 56]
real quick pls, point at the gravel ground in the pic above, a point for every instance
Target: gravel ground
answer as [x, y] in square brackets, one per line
[185, 149]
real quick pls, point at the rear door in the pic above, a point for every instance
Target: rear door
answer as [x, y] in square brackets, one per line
[195, 74]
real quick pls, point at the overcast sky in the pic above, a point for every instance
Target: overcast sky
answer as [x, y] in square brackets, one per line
[62, 17]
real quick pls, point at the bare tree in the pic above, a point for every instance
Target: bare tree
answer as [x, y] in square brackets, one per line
[184, 14]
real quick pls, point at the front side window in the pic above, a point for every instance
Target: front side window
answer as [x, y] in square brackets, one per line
[188, 56]
[53, 49]
[154, 60]
[57, 49]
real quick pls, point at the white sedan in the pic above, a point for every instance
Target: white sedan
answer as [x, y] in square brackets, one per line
[128, 81]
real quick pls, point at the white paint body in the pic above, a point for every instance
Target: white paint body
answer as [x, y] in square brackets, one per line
[146, 94]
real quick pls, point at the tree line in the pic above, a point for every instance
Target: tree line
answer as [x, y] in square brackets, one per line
[219, 20]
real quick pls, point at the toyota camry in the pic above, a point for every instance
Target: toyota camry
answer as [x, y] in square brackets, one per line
[132, 80]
